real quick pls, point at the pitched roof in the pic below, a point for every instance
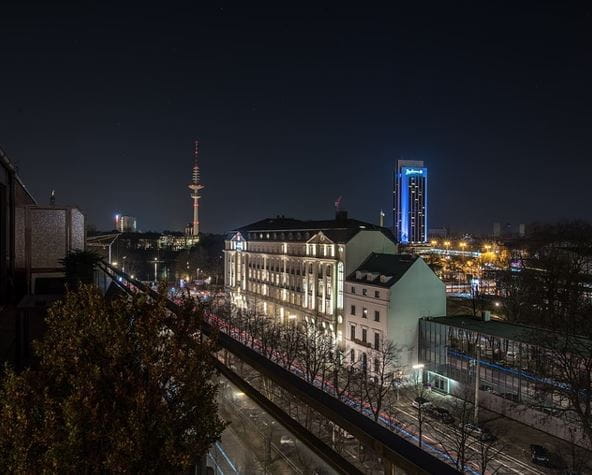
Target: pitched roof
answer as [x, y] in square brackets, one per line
[382, 270]
[338, 230]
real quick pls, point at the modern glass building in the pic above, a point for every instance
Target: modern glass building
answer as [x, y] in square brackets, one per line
[453, 348]
[410, 192]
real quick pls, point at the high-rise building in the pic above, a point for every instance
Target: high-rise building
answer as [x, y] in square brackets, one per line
[125, 224]
[410, 201]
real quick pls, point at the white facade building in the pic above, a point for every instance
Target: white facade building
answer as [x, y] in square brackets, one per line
[384, 299]
[294, 269]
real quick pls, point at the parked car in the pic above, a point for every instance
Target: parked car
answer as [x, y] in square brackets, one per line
[441, 414]
[421, 403]
[287, 441]
[540, 455]
[480, 433]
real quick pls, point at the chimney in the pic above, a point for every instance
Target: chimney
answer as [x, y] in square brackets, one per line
[341, 215]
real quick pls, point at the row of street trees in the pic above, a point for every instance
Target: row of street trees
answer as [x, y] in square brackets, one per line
[309, 350]
[375, 388]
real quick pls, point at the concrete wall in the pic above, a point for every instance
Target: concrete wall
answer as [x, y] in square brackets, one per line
[419, 293]
[546, 423]
[362, 244]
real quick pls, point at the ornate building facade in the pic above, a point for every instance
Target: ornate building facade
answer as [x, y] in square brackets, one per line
[296, 270]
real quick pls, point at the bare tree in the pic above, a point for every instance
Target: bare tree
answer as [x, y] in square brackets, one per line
[291, 339]
[378, 383]
[457, 440]
[552, 293]
[419, 393]
[315, 353]
[488, 448]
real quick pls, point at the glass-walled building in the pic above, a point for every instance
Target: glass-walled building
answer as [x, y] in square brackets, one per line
[454, 348]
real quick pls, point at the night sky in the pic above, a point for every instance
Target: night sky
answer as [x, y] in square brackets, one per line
[295, 107]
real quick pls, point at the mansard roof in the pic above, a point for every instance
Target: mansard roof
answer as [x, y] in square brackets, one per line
[382, 270]
[338, 230]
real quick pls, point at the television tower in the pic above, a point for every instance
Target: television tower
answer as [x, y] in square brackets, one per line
[195, 186]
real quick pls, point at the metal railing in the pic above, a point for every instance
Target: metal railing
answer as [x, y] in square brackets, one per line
[396, 451]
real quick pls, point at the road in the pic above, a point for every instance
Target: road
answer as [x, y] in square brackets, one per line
[252, 443]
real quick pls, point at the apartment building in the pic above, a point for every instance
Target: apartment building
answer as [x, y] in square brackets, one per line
[385, 297]
[294, 269]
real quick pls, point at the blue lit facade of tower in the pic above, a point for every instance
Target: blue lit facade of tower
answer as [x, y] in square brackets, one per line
[410, 202]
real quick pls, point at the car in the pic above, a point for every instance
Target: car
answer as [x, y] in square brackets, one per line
[421, 403]
[540, 455]
[441, 414]
[479, 432]
[287, 441]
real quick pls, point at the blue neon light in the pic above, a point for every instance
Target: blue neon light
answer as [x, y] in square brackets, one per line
[414, 171]
[403, 178]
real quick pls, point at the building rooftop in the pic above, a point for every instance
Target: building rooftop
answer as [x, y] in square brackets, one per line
[341, 229]
[513, 331]
[382, 270]
[499, 328]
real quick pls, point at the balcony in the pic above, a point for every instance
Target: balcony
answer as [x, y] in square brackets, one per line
[367, 344]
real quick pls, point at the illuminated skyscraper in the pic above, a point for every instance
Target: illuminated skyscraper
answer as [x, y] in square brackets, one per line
[410, 198]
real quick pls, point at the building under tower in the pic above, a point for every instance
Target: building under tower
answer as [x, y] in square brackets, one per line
[410, 198]
[195, 187]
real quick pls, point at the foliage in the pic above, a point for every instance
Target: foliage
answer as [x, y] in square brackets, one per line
[121, 386]
[79, 267]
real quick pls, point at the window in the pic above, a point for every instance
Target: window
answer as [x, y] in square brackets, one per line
[376, 365]
[353, 310]
[364, 313]
[376, 294]
[352, 332]
[353, 290]
[377, 341]
[364, 335]
[352, 355]
[376, 316]
[364, 291]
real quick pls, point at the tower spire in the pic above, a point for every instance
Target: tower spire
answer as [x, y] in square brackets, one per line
[195, 187]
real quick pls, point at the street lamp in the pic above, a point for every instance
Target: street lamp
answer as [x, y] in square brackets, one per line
[155, 269]
[123, 264]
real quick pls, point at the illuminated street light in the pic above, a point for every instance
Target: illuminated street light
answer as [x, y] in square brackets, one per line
[463, 245]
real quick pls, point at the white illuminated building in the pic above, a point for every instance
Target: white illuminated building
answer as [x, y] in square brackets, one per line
[385, 297]
[295, 270]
